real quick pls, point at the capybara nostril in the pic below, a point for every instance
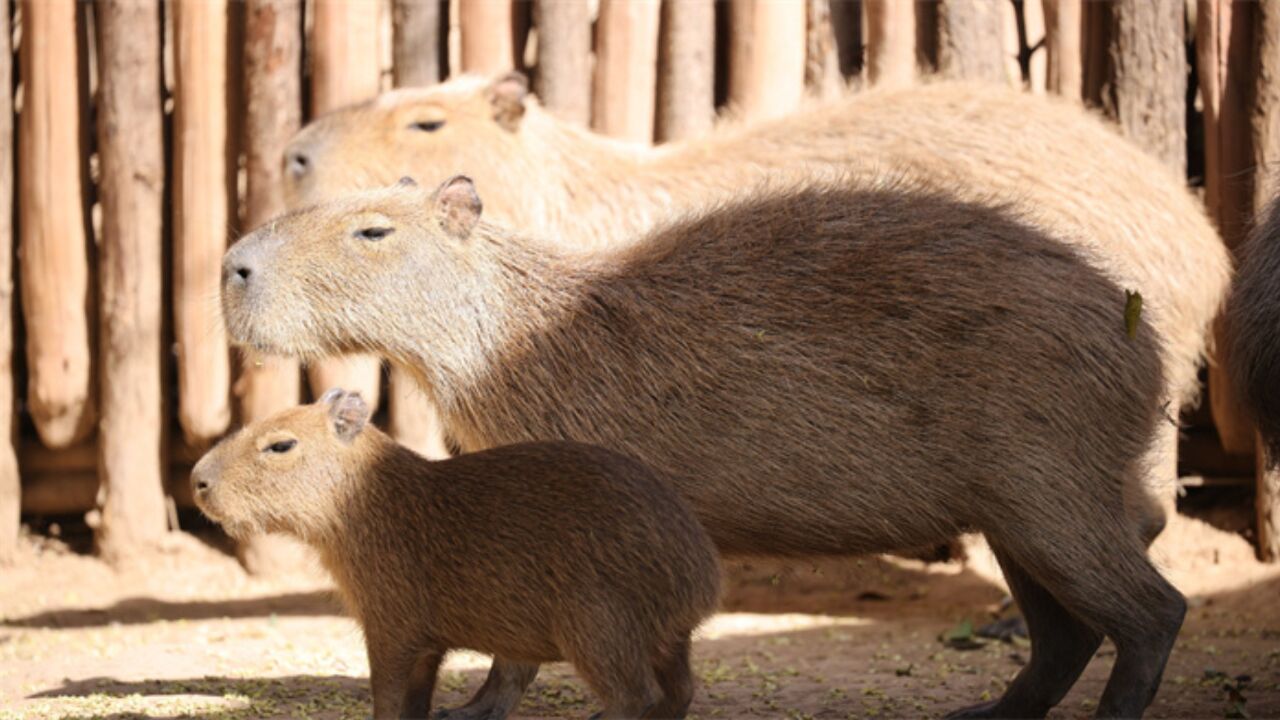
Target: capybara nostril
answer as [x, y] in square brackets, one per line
[297, 163]
[243, 272]
[201, 485]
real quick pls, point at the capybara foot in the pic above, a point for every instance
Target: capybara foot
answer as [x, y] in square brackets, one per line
[1005, 629]
[470, 712]
[981, 710]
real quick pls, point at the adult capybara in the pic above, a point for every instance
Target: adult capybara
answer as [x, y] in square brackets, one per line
[819, 370]
[1067, 171]
[1252, 322]
[533, 552]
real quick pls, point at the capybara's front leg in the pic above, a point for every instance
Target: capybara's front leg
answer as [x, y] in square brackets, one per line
[392, 667]
[422, 684]
[499, 695]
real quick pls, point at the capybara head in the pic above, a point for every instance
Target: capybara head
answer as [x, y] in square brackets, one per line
[284, 473]
[352, 270]
[470, 125]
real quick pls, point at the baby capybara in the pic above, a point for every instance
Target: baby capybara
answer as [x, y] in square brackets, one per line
[533, 553]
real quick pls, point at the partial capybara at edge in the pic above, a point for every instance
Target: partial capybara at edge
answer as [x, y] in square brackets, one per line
[1252, 333]
[818, 370]
[533, 553]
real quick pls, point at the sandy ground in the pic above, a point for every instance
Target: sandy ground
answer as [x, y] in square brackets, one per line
[186, 633]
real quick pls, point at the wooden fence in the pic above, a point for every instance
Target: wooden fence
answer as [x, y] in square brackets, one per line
[149, 133]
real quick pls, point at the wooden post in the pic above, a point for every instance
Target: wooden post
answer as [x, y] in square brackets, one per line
[1063, 24]
[822, 76]
[1224, 48]
[891, 39]
[420, 30]
[10, 482]
[969, 42]
[202, 221]
[488, 36]
[623, 96]
[1267, 503]
[686, 69]
[131, 156]
[1149, 90]
[53, 251]
[563, 81]
[766, 56]
[345, 71]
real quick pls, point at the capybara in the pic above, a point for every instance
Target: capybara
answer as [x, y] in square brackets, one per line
[1252, 324]
[532, 552]
[1068, 172]
[820, 370]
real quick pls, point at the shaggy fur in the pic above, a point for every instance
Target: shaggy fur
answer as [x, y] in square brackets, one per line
[534, 553]
[1253, 328]
[819, 371]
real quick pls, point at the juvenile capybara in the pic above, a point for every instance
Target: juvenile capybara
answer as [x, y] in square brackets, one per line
[818, 370]
[1252, 324]
[1067, 171]
[533, 552]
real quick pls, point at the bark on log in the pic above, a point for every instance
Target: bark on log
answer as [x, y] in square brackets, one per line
[686, 69]
[1063, 43]
[766, 57]
[563, 81]
[202, 220]
[822, 77]
[345, 71]
[891, 35]
[420, 30]
[625, 86]
[131, 467]
[1149, 90]
[10, 482]
[488, 36]
[969, 44]
[54, 252]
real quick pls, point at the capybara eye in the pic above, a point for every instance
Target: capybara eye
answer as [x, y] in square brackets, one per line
[283, 446]
[374, 233]
[427, 125]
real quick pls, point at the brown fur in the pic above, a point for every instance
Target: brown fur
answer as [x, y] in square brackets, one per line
[1067, 171]
[1253, 328]
[534, 552]
[819, 370]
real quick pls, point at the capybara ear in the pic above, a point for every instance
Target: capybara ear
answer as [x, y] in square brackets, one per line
[407, 181]
[459, 206]
[507, 95]
[348, 413]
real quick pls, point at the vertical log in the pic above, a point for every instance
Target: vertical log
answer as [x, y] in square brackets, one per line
[686, 69]
[969, 45]
[891, 39]
[488, 36]
[1224, 49]
[623, 95]
[822, 61]
[563, 82]
[1033, 43]
[345, 71]
[846, 21]
[202, 219]
[131, 156]
[10, 484]
[1267, 504]
[766, 56]
[420, 43]
[1149, 93]
[418, 32]
[1063, 25]
[53, 251]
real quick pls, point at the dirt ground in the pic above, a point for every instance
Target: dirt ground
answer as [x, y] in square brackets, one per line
[186, 633]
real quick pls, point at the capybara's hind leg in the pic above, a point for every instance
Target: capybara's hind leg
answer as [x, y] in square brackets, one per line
[622, 677]
[499, 695]
[1100, 574]
[1061, 647]
[675, 677]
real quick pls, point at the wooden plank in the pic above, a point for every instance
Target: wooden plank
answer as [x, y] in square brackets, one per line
[686, 69]
[344, 51]
[53, 250]
[822, 76]
[766, 57]
[420, 42]
[1149, 78]
[625, 85]
[563, 80]
[488, 36]
[1267, 505]
[890, 46]
[1224, 48]
[1063, 44]
[131, 469]
[969, 44]
[10, 482]
[202, 220]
